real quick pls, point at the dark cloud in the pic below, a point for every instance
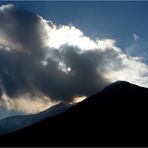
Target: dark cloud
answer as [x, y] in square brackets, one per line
[22, 72]
[14, 72]
[82, 80]
[23, 28]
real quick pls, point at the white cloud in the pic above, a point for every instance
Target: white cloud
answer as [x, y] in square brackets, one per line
[69, 35]
[135, 37]
[104, 44]
[6, 7]
[133, 70]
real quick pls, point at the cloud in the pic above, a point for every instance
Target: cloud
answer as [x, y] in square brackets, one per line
[135, 37]
[59, 62]
[3, 8]
[23, 105]
[27, 104]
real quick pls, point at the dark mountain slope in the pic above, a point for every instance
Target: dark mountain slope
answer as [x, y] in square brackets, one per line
[117, 116]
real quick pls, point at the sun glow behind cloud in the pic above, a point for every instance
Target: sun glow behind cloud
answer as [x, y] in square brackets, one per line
[79, 99]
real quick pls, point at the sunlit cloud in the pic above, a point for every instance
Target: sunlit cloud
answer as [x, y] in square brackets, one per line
[70, 35]
[78, 99]
[26, 104]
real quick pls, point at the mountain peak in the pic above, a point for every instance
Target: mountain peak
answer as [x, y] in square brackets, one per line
[117, 115]
[118, 84]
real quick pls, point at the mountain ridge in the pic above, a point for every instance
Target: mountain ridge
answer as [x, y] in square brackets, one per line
[13, 123]
[114, 117]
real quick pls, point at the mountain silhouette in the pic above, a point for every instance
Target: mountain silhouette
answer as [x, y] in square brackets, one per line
[116, 116]
[17, 122]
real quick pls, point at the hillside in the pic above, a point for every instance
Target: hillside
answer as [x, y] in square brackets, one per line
[116, 116]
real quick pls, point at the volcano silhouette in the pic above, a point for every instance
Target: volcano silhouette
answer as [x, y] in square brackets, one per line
[116, 116]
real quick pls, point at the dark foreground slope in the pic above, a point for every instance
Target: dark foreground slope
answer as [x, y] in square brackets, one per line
[117, 116]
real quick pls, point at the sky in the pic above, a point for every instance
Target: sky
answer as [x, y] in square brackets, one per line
[120, 20]
[53, 51]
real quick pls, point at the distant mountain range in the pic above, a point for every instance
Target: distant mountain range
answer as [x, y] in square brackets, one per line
[116, 116]
[17, 122]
